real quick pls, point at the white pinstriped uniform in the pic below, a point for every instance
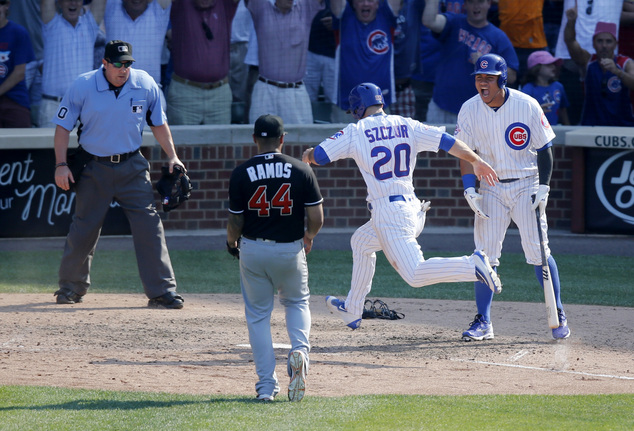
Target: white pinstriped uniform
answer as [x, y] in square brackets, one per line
[385, 149]
[508, 140]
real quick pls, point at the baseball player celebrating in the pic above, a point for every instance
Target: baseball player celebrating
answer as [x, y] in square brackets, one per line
[509, 130]
[385, 149]
[270, 195]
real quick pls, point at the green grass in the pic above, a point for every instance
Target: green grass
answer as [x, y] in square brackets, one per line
[35, 408]
[602, 280]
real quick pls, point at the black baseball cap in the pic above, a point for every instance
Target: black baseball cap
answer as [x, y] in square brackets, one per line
[117, 51]
[269, 126]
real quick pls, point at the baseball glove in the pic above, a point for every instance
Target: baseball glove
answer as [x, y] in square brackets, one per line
[174, 188]
[378, 309]
[234, 251]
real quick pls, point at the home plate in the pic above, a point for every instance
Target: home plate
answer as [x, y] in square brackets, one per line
[275, 346]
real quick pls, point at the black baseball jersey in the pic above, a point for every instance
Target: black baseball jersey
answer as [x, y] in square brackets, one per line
[271, 190]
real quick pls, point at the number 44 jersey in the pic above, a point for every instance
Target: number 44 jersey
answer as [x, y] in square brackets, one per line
[272, 190]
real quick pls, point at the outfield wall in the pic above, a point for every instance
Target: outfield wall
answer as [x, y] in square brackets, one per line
[211, 152]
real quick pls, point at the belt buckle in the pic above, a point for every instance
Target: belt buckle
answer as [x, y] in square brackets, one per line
[115, 160]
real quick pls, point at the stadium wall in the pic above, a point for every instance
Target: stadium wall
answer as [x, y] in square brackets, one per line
[211, 153]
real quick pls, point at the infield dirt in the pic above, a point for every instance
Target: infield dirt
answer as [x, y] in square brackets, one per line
[203, 348]
[115, 342]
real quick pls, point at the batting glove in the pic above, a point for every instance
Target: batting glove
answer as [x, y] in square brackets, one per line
[541, 198]
[473, 199]
[424, 205]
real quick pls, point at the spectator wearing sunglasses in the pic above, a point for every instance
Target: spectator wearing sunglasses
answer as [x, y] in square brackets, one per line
[142, 23]
[608, 77]
[283, 30]
[113, 103]
[69, 33]
[201, 35]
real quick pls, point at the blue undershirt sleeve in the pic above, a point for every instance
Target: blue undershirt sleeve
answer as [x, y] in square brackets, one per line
[545, 163]
[446, 142]
[320, 156]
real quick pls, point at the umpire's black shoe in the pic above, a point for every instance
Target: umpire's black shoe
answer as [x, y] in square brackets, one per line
[168, 300]
[67, 296]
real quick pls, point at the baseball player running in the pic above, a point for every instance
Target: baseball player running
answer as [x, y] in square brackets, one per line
[509, 130]
[270, 195]
[385, 149]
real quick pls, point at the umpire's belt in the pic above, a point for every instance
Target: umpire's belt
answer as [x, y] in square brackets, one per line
[116, 158]
[202, 85]
[55, 98]
[266, 240]
[281, 84]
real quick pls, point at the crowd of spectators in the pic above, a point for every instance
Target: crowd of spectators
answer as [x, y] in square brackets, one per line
[230, 61]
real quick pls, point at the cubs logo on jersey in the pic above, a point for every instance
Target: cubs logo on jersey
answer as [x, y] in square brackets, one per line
[337, 135]
[378, 42]
[518, 135]
[545, 122]
[614, 84]
[4, 58]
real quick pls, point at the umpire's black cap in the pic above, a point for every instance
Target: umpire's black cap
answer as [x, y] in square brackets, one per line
[117, 51]
[268, 126]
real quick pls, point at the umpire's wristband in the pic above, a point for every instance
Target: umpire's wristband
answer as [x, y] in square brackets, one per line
[469, 180]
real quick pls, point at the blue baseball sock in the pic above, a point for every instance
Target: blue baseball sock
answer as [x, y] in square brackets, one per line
[483, 299]
[554, 273]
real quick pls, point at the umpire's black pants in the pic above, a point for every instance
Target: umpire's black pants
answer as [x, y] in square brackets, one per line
[127, 183]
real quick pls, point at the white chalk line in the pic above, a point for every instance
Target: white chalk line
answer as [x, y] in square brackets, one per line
[275, 346]
[542, 369]
[519, 355]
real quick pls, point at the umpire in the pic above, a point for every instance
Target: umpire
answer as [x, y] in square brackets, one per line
[112, 104]
[270, 195]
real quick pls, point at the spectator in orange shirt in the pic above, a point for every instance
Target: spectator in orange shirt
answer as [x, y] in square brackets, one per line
[523, 23]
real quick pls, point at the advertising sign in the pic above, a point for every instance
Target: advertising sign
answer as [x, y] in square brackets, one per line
[31, 205]
[609, 199]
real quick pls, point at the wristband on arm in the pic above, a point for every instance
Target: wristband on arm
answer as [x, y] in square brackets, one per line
[469, 180]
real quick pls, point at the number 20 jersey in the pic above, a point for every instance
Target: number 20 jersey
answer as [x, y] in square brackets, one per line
[271, 190]
[385, 149]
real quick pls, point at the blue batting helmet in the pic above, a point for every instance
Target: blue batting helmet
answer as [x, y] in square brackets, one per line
[492, 64]
[362, 96]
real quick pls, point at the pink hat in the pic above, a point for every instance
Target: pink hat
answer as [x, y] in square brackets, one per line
[542, 57]
[605, 27]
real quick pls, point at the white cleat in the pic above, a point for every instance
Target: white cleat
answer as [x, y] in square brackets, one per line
[298, 365]
[338, 307]
[485, 272]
